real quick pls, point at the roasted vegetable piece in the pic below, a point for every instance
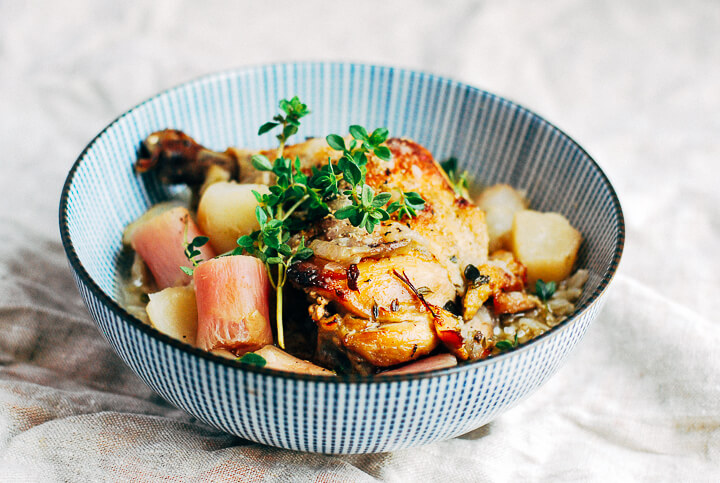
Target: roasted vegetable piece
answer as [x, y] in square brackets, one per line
[546, 243]
[160, 242]
[232, 300]
[432, 363]
[173, 312]
[227, 211]
[500, 203]
[155, 210]
[277, 358]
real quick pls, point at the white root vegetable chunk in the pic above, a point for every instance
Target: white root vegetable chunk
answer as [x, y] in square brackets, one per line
[173, 311]
[500, 203]
[282, 361]
[232, 301]
[227, 211]
[440, 361]
[546, 244]
[160, 243]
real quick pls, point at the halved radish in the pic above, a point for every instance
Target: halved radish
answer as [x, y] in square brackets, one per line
[440, 361]
[232, 300]
[160, 242]
[282, 361]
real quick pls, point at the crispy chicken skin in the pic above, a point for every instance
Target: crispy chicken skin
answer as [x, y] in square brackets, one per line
[453, 227]
[370, 289]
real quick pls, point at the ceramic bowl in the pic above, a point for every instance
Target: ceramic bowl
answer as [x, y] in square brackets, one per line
[495, 139]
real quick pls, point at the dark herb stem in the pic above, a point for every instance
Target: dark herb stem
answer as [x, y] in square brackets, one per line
[295, 207]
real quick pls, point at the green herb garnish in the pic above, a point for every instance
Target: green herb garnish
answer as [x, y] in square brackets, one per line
[544, 290]
[367, 209]
[191, 250]
[252, 359]
[506, 345]
[459, 180]
[290, 122]
[409, 204]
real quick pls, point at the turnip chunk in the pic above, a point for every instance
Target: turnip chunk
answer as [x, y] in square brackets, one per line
[160, 243]
[500, 202]
[282, 361]
[227, 211]
[173, 312]
[546, 244]
[232, 299]
[440, 361]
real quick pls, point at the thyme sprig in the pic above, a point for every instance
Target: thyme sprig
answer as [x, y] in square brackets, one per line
[252, 359]
[191, 249]
[545, 290]
[408, 205]
[290, 122]
[458, 179]
[289, 194]
[367, 209]
[506, 345]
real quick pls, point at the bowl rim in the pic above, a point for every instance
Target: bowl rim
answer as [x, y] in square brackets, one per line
[136, 323]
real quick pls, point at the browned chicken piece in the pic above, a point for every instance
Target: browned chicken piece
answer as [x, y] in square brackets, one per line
[467, 340]
[374, 316]
[502, 273]
[453, 228]
[514, 302]
[178, 158]
[370, 289]
[369, 344]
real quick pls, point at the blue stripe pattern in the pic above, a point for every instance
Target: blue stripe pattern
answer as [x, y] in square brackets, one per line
[495, 139]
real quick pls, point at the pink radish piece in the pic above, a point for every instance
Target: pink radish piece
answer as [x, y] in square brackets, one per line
[232, 300]
[440, 361]
[160, 242]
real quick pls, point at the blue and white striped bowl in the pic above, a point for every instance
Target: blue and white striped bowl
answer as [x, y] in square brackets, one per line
[496, 140]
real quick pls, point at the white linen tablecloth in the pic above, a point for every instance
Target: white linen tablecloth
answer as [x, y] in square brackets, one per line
[637, 83]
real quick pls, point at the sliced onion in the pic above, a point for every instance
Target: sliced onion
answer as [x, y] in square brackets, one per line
[347, 255]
